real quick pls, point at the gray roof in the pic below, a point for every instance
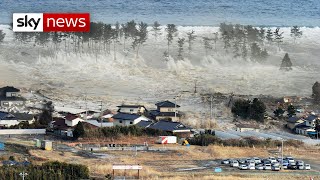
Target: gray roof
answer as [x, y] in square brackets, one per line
[144, 124]
[3, 98]
[9, 89]
[126, 116]
[293, 119]
[131, 106]
[311, 117]
[168, 126]
[168, 114]
[166, 104]
[19, 116]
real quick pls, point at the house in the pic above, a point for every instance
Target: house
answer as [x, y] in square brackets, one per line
[93, 123]
[60, 128]
[293, 121]
[305, 130]
[10, 96]
[310, 121]
[144, 124]
[172, 127]
[132, 109]
[125, 119]
[72, 120]
[247, 127]
[11, 119]
[166, 110]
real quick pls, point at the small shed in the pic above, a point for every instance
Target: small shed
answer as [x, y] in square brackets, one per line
[46, 145]
[37, 143]
[247, 127]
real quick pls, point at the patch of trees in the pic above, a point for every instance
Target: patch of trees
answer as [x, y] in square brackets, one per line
[205, 140]
[117, 131]
[286, 63]
[247, 109]
[48, 170]
[2, 36]
[316, 92]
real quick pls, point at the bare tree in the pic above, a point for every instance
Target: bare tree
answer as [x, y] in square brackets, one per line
[278, 36]
[180, 48]
[295, 33]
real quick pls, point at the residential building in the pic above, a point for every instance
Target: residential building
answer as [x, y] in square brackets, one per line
[72, 120]
[305, 130]
[172, 127]
[125, 119]
[132, 109]
[10, 96]
[11, 119]
[310, 121]
[166, 110]
[293, 121]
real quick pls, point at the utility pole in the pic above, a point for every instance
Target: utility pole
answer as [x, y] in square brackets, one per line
[85, 99]
[175, 109]
[211, 101]
[195, 86]
[281, 153]
[101, 113]
[23, 175]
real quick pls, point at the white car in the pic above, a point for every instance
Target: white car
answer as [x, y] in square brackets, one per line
[307, 167]
[234, 163]
[243, 167]
[275, 168]
[251, 167]
[259, 167]
[267, 167]
[257, 160]
[290, 159]
[273, 159]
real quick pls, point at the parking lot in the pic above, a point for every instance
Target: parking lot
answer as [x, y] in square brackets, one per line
[269, 163]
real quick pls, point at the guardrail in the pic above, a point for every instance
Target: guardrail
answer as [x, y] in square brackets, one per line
[22, 131]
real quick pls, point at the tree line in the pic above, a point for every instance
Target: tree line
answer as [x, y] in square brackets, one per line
[242, 41]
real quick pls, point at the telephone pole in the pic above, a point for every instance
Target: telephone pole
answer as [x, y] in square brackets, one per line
[23, 175]
[101, 113]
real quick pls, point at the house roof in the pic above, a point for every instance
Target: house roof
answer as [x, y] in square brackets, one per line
[293, 119]
[144, 124]
[70, 117]
[18, 116]
[168, 126]
[15, 98]
[126, 116]
[68, 110]
[303, 126]
[9, 89]
[99, 124]
[253, 126]
[60, 122]
[3, 114]
[311, 117]
[166, 104]
[130, 106]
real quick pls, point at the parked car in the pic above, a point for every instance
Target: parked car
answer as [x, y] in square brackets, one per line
[299, 163]
[257, 160]
[259, 167]
[251, 163]
[266, 161]
[272, 159]
[300, 167]
[275, 168]
[243, 167]
[234, 163]
[276, 164]
[307, 167]
[292, 166]
[290, 159]
[251, 167]
[267, 167]
[242, 161]
[284, 166]
[225, 161]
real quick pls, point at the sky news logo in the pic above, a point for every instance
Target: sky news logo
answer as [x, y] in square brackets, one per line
[51, 22]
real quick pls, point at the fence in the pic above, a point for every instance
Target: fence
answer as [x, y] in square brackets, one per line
[22, 131]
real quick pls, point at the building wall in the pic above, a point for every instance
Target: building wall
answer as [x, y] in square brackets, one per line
[167, 109]
[246, 129]
[118, 122]
[8, 123]
[132, 110]
[12, 94]
[174, 119]
[10, 103]
[73, 122]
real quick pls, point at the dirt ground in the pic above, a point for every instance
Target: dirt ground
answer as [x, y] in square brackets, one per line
[177, 162]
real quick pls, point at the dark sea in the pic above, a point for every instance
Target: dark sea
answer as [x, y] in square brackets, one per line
[180, 12]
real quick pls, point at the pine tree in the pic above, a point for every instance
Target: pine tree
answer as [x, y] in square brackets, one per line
[156, 29]
[171, 30]
[180, 48]
[141, 37]
[215, 39]
[278, 37]
[78, 130]
[191, 39]
[316, 92]
[295, 33]
[279, 112]
[264, 55]
[207, 44]
[255, 52]
[286, 63]
[269, 35]
[291, 110]
[226, 37]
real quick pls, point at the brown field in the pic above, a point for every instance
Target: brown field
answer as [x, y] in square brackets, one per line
[165, 165]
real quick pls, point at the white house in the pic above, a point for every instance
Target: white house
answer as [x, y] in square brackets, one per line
[72, 120]
[125, 119]
[132, 109]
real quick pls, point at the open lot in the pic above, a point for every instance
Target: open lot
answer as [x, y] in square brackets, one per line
[178, 162]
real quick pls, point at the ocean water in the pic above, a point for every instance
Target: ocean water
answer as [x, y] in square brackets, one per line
[180, 12]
